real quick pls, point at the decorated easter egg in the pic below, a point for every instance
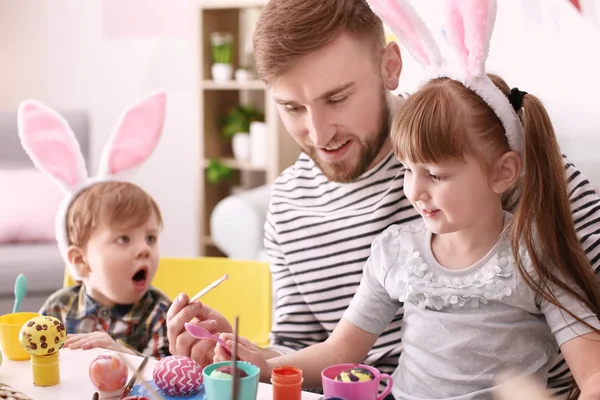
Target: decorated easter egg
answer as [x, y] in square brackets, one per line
[108, 372]
[42, 335]
[177, 376]
[224, 372]
[355, 375]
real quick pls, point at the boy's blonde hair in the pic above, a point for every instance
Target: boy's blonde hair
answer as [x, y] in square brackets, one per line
[116, 203]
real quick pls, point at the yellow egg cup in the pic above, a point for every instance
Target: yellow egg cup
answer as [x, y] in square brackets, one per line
[42, 337]
[46, 370]
[10, 325]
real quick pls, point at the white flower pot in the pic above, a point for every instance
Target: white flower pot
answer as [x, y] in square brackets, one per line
[258, 144]
[243, 75]
[222, 72]
[240, 144]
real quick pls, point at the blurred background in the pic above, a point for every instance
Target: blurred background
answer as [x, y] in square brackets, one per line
[223, 142]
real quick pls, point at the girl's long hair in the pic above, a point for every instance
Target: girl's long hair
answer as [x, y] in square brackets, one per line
[444, 120]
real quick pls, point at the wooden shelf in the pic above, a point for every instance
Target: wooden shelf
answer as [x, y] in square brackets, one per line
[215, 99]
[233, 85]
[210, 248]
[208, 241]
[236, 164]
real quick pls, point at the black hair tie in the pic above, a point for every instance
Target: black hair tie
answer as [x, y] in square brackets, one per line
[516, 98]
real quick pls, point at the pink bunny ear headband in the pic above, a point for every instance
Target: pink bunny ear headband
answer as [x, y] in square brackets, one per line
[51, 144]
[468, 29]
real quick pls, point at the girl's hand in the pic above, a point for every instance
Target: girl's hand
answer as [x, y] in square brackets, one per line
[86, 341]
[246, 351]
[590, 390]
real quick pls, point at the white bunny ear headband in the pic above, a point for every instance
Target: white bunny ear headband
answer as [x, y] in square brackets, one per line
[468, 28]
[51, 144]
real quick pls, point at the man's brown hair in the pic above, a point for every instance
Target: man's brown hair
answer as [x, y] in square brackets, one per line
[289, 29]
[116, 203]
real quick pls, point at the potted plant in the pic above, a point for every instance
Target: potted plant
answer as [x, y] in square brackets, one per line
[216, 172]
[236, 127]
[222, 56]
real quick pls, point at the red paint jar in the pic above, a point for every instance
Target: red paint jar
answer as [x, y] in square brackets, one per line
[287, 383]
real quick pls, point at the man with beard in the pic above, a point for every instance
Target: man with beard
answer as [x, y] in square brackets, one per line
[331, 74]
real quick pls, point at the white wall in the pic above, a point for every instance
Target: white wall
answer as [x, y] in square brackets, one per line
[55, 51]
[591, 10]
[547, 48]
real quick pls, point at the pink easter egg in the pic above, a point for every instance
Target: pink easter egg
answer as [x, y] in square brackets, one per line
[108, 373]
[177, 376]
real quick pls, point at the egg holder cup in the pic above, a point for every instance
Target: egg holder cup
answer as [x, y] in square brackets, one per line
[359, 390]
[36, 337]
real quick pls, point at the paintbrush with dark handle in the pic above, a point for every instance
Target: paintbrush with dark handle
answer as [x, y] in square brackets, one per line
[235, 376]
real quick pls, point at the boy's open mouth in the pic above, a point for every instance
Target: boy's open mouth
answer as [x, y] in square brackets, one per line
[140, 276]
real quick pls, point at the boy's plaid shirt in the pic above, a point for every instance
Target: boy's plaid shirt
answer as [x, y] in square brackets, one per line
[141, 327]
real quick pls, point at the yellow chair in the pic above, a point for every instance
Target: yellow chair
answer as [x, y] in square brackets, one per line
[247, 292]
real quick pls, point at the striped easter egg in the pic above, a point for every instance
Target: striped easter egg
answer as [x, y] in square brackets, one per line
[177, 376]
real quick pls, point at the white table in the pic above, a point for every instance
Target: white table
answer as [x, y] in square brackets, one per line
[74, 379]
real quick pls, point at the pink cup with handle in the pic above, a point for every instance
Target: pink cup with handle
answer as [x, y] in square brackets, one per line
[365, 390]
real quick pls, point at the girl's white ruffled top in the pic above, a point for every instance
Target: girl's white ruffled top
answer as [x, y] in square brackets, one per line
[434, 288]
[460, 328]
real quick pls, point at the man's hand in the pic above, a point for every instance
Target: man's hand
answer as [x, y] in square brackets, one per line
[86, 341]
[246, 351]
[181, 342]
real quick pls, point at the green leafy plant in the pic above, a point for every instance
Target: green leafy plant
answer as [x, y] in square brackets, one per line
[222, 48]
[216, 172]
[222, 53]
[238, 120]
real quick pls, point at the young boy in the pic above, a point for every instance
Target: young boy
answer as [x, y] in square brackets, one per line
[106, 230]
[113, 230]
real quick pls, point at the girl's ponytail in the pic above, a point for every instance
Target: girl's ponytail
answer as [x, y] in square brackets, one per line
[543, 220]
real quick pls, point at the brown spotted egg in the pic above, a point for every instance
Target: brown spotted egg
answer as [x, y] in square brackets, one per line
[43, 335]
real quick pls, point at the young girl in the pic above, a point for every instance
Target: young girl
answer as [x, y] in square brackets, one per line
[493, 277]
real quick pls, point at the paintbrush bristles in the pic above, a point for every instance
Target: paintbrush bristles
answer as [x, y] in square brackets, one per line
[155, 394]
